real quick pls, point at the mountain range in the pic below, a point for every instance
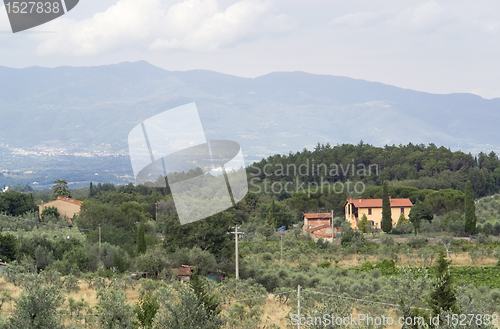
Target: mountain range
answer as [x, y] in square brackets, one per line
[91, 110]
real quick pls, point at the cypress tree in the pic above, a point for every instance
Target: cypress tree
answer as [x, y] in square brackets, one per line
[470, 209]
[386, 224]
[141, 241]
[208, 299]
[272, 216]
[443, 298]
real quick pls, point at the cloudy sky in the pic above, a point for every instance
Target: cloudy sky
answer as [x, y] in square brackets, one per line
[434, 46]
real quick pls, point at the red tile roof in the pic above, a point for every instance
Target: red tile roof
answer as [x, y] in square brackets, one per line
[316, 228]
[184, 270]
[377, 203]
[321, 215]
[323, 235]
[70, 200]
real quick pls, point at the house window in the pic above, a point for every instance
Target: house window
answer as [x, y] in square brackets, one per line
[369, 211]
[402, 210]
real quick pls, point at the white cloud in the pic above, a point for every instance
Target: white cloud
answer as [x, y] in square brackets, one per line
[198, 25]
[356, 19]
[426, 16]
[123, 24]
[4, 19]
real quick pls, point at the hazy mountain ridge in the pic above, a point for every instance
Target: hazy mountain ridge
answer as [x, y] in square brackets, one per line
[80, 108]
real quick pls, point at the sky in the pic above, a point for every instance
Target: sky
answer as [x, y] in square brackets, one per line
[432, 46]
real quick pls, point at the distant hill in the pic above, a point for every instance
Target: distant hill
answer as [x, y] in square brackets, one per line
[94, 108]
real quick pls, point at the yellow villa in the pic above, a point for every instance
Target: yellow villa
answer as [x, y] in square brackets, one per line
[372, 208]
[65, 206]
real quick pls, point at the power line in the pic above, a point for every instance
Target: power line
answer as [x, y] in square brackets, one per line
[266, 296]
[362, 300]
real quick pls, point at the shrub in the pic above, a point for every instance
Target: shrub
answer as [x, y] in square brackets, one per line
[366, 266]
[482, 238]
[352, 237]
[325, 264]
[457, 227]
[387, 241]
[114, 312]
[71, 283]
[267, 256]
[182, 309]
[417, 242]
[404, 227]
[321, 244]
[387, 267]
[304, 265]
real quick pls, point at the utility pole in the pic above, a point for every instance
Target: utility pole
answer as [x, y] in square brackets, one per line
[298, 305]
[281, 234]
[156, 211]
[333, 229]
[236, 233]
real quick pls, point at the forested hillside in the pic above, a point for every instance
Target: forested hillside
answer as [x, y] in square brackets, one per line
[124, 229]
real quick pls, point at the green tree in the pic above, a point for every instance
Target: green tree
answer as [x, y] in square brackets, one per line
[352, 237]
[207, 234]
[301, 202]
[16, 203]
[8, 247]
[277, 214]
[92, 191]
[43, 258]
[37, 307]
[442, 297]
[60, 189]
[410, 284]
[363, 224]
[470, 209]
[181, 308]
[50, 213]
[417, 213]
[401, 219]
[146, 309]
[386, 224]
[141, 240]
[113, 310]
[207, 299]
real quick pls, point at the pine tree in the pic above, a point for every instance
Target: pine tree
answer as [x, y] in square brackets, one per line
[209, 300]
[60, 189]
[146, 309]
[141, 241]
[443, 298]
[470, 209]
[363, 224]
[386, 224]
